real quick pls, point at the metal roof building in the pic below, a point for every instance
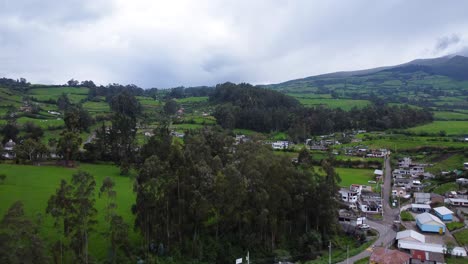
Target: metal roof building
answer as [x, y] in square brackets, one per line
[436, 248]
[444, 213]
[430, 223]
[410, 235]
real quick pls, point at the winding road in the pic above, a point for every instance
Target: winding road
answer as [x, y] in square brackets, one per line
[384, 227]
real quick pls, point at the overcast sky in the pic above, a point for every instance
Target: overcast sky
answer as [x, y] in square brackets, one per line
[162, 44]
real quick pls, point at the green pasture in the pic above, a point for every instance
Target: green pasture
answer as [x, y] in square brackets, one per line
[445, 115]
[43, 123]
[35, 184]
[401, 142]
[452, 128]
[75, 94]
[96, 107]
[345, 104]
[198, 99]
[451, 163]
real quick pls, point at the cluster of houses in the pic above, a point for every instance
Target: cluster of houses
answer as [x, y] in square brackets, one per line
[407, 178]
[321, 144]
[361, 197]
[364, 151]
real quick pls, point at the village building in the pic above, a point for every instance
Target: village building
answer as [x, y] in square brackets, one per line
[444, 213]
[458, 202]
[410, 235]
[399, 192]
[420, 208]
[422, 198]
[430, 223]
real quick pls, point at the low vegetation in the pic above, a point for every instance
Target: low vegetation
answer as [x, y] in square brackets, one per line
[462, 237]
[454, 225]
[406, 216]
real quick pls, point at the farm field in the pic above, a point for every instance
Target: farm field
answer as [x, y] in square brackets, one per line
[40, 182]
[452, 128]
[398, 142]
[345, 104]
[450, 116]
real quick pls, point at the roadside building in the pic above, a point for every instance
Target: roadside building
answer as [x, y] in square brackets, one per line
[430, 223]
[444, 213]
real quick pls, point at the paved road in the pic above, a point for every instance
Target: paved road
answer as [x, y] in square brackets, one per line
[384, 227]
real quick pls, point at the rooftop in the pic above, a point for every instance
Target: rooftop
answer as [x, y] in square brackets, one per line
[426, 218]
[412, 234]
[421, 206]
[443, 210]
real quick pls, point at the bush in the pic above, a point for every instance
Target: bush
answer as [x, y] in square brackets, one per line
[2, 178]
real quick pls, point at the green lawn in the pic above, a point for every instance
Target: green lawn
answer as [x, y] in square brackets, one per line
[402, 142]
[462, 237]
[34, 184]
[43, 123]
[355, 176]
[446, 187]
[406, 216]
[450, 127]
[96, 107]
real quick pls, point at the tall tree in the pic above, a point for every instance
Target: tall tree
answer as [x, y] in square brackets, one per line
[20, 241]
[69, 145]
[125, 110]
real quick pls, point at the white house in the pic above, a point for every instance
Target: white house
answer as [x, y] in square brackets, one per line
[462, 181]
[410, 235]
[348, 195]
[280, 145]
[458, 202]
[422, 198]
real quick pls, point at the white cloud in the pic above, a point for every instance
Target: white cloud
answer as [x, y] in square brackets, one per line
[170, 43]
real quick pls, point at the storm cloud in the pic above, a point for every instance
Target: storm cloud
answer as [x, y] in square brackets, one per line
[171, 43]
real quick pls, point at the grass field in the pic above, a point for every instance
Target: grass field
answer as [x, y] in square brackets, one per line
[43, 123]
[96, 107]
[75, 94]
[451, 163]
[198, 99]
[446, 187]
[355, 176]
[450, 127]
[345, 104]
[35, 184]
[399, 142]
[450, 116]
[462, 237]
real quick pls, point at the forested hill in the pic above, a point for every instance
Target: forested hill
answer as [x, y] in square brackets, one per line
[248, 107]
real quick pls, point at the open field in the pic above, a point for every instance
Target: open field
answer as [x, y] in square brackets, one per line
[462, 237]
[397, 142]
[451, 163]
[35, 184]
[450, 127]
[358, 176]
[193, 99]
[75, 94]
[450, 116]
[345, 104]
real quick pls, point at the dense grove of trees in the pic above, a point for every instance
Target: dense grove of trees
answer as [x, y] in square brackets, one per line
[211, 200]
[244, 106]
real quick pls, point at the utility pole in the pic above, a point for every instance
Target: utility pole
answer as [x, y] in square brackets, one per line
[329, 252]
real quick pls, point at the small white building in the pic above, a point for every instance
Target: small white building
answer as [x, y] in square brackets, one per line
[428, 247]
[458, 202]
[280, 145]
[348, 195]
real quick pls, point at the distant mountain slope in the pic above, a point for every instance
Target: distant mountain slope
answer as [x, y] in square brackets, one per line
[438, 82]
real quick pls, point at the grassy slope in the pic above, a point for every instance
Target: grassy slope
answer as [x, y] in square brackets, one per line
[450, 127]
[35, 184]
